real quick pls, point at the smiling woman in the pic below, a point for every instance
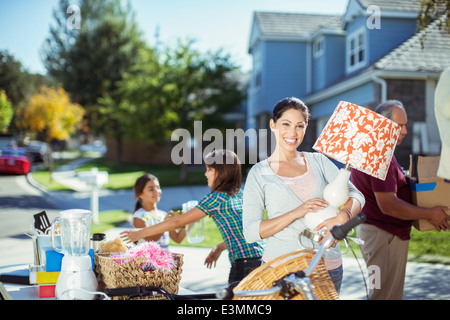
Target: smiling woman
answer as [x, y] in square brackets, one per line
[289, 185]
[289, 122]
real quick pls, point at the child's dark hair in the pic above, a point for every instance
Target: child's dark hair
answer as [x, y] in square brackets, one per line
[228, 169]
[290, 103]
[139, 186]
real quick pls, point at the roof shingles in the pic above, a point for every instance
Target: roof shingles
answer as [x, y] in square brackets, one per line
[393, 5]
[294, 24]
[411, 56]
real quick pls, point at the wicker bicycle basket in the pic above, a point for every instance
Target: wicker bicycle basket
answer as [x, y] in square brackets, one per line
[264, 277]
[125, 272]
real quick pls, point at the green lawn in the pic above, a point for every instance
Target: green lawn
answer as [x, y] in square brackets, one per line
[124, 176]
[430, 246]
[424, 246]
[109, 219]
[43, 177]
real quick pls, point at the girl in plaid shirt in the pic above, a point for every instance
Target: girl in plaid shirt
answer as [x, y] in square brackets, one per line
[224, 205]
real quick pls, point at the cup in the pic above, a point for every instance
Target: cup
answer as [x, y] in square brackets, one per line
[195, 231]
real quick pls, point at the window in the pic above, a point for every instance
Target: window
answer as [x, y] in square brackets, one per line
[356, 50]
[318, 47]
[257, 66]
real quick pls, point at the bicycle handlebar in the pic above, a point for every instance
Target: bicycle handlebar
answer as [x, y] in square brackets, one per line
[340, 232]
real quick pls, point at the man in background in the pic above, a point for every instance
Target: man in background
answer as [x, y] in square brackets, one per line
[389, 215]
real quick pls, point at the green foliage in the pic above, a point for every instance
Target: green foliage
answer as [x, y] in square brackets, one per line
[171, 90]
[130, 90]
[431, 11]
[18, 85]
[91, 60]
[6, 112]
[52, 115]
[12, 79]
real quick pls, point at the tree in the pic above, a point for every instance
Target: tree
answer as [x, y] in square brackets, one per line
[172, 90]
[175, 89]
[18, 84]
[91, 60]
[124, 112]
[433, 10]
[12, 78]
[198, 85]
[6, 112]
[51, 115]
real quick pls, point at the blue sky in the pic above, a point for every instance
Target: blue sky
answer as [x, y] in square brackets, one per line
[24, 24]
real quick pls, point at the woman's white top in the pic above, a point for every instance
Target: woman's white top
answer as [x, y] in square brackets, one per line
[265, 190]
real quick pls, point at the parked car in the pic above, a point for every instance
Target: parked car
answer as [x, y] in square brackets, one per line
[97, 147]
[37, 151]
[14, 160]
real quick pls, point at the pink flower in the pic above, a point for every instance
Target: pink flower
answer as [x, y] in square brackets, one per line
[155, 255]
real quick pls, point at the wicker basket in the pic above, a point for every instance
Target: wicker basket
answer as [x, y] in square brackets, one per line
[264, 276]
[126, 272]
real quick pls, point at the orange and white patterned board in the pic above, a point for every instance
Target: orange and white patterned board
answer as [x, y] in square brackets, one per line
[361, 137]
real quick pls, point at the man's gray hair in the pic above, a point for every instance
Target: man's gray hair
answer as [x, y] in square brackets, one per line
[385, 109]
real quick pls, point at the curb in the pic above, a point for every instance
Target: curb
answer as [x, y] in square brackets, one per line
[35, 184]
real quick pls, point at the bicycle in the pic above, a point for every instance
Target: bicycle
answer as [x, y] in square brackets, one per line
[298, 284]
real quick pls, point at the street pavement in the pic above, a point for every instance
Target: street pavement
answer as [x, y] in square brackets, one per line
[423, 281]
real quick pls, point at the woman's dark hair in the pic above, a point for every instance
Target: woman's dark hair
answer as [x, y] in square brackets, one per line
[139, 186]
[287, 104]
[228, 169]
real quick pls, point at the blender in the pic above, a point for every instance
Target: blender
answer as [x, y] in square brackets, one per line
[76, 279]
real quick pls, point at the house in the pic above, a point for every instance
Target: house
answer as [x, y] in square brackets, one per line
[369, 54]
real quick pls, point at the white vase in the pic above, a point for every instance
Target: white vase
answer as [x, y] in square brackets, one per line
[336, 193]
[313, 219]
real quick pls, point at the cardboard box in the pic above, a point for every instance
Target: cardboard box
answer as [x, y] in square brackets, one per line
[428, 190]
